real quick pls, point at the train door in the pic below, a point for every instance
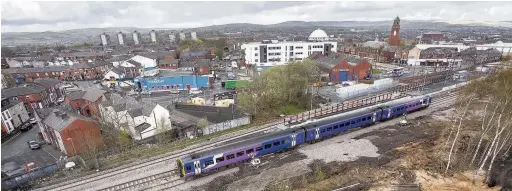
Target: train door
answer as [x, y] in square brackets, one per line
[294, 140]
[389, 113]
[317, 133]
[197, 167]
[374, 116]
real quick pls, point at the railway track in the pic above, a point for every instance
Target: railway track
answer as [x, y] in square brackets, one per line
[444, 100]
[158, 163]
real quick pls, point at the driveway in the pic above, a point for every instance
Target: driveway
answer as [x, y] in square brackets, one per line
[17, 146]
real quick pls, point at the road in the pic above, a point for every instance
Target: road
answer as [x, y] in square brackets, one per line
[18, 145]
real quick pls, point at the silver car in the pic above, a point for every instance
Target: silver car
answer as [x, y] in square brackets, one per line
[33, 145]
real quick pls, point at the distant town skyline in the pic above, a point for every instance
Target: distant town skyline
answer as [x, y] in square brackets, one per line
[28, 16]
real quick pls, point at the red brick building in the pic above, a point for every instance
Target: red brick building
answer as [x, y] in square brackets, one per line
[86, 102]
[168, 62]
[42, 93]
[338, 68]
[68, 131]
[88, 71]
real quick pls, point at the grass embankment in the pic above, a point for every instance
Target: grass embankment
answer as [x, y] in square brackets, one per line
[146, 152]
[376, 71]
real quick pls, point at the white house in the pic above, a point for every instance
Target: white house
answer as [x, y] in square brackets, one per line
[141, 119]
[14, 114]
[273, 53]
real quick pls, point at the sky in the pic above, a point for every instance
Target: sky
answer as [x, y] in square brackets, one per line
[27, 16]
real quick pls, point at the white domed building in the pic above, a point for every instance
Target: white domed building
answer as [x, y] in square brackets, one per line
[318, 35]
[269, 53]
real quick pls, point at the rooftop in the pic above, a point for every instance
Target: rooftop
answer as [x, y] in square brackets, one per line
[59, 119]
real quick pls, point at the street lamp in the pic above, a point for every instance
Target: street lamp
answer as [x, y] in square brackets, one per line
[69, 139]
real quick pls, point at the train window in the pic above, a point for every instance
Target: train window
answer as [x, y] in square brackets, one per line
[286, 141]
[239, 154]
[347, 123]
[259, 148]
[208, 163]
[363, 119]
[277, 143]
[231, 156]
[282, 142]
[267, 146]
[220, 159]
[336, 127]
[329, 129]
[353, 122]
[188, 168]
[359, 120]
[249, 151]
[322, 131]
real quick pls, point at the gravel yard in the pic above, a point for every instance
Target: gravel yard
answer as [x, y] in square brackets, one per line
[339, 149]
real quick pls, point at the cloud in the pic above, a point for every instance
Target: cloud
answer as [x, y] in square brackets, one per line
[22, 16]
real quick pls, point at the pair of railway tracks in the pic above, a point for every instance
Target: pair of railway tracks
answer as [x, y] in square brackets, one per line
[444, 100]
[163, 160]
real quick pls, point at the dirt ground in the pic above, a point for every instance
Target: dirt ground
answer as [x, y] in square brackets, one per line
[406, 160]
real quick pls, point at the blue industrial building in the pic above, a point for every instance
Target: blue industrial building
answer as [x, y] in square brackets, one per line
[171, 83]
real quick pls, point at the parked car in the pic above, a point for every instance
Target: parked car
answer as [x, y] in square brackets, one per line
[33, 121]
[96, 81]
[174, 91]
[60, 100]
[196, 92]
[26, 127]
[145, 92]
[33, 145]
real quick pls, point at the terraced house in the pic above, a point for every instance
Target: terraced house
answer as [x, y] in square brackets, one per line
[40, 94]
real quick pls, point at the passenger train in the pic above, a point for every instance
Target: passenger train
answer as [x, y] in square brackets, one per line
[224, 156]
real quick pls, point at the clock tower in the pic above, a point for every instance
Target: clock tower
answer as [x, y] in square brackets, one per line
[394, 37]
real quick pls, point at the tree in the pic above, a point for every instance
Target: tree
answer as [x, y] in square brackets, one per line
[219, 53]
[8, 79]
[202, 123]
[163, 133]
[279, 86]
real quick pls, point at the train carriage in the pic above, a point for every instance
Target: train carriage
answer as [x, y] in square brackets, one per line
[310, 132]
[210, 160]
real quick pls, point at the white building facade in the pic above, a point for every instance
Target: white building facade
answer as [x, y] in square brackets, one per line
[135, 36]
[120, 38]
[152, 34]
[270, 53]
[104, 39]
[193, 35]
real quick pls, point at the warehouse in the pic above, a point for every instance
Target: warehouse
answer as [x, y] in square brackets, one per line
[340, 69]
[190, 82]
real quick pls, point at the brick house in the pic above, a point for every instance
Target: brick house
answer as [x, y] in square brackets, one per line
[22, 75]
[89, 71]
[68, 131]
[371, 49]
[40, 94]
[168, 62]
[86, 102]
[338, 68]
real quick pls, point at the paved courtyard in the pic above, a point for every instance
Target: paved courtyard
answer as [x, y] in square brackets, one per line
[17, 146]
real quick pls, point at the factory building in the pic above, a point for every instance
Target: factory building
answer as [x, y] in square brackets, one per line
[189, 82]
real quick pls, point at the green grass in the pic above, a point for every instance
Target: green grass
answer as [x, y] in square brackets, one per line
[376, 71]
[291, 110]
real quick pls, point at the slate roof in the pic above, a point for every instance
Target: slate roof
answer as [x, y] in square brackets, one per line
[89, 95]
[390, 48]
[374, 44]
[47, 82]
[11, 104]
[58, 123]
[175, 61]
[192, 54]
[135, 63]
[88, 65]
[37, 69]
[212, 114]
[143, 126]
[130, 104]
[353, 60]
[23, 90]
